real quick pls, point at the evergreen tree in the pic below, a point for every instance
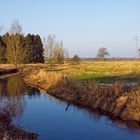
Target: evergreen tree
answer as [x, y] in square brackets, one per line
[29, 48]
[16, 48]
[2, 50]
[34, 49]
[38, 51]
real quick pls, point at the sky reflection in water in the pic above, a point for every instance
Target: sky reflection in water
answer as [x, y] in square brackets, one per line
[53, 119]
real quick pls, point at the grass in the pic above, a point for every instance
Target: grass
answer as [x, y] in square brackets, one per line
[74, 83]
[118, 99]
[71, 83]
[99, 71]
[102, 72]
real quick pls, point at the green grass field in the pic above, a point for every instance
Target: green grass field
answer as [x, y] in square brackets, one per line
[103, 72]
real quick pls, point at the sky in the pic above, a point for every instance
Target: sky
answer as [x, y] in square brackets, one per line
[84, 26]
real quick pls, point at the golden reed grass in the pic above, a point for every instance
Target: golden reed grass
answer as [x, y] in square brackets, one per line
[119, 100]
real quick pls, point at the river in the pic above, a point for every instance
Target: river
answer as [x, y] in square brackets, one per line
[53, 119]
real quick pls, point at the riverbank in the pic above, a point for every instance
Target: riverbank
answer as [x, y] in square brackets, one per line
[7, 69]
[106, 72]
[121, 101]
[10, 71]
[9, 131]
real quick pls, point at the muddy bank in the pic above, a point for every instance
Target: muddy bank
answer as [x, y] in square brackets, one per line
[118, 100]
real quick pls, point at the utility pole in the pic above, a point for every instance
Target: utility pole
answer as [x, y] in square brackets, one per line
[136, 39]
[1, 27]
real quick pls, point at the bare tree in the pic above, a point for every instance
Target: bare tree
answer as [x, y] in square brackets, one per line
[58, 53]
[15, 52]
[15, 28]
[102, 52]
[54, 50]
[49, 44]
[66, 55]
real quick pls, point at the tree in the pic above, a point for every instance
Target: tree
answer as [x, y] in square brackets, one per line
[58, 53]
[54, 50]
[76, 59]
[34, 49]
[14, 48]
[102, 52]
[29, 48]
[38, 51]
[49, 45]
[15, 28]
[66, 56]
[2, 50]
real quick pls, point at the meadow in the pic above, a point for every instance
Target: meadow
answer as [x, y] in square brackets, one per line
[98, 71]
[83, 84]
[101, 71]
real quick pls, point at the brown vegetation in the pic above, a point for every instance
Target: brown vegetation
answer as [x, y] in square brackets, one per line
[118, 99]
[11, 109]
[9, 131]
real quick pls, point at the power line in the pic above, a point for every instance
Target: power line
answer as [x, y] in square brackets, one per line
[136, 38]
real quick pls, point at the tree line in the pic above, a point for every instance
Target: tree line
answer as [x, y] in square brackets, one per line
[17, 48]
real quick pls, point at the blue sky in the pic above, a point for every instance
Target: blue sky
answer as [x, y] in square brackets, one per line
[83, 25]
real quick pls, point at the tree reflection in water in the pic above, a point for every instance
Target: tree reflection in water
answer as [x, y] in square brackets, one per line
[12, 105]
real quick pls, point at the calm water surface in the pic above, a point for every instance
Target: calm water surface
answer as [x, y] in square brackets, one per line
[53, 119]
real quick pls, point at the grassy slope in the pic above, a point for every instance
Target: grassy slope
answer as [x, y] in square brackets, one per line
[117, 99]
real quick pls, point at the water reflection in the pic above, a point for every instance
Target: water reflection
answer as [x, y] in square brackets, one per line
[96, 114]
[12, 106]
[14, 95]
[15, 86]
